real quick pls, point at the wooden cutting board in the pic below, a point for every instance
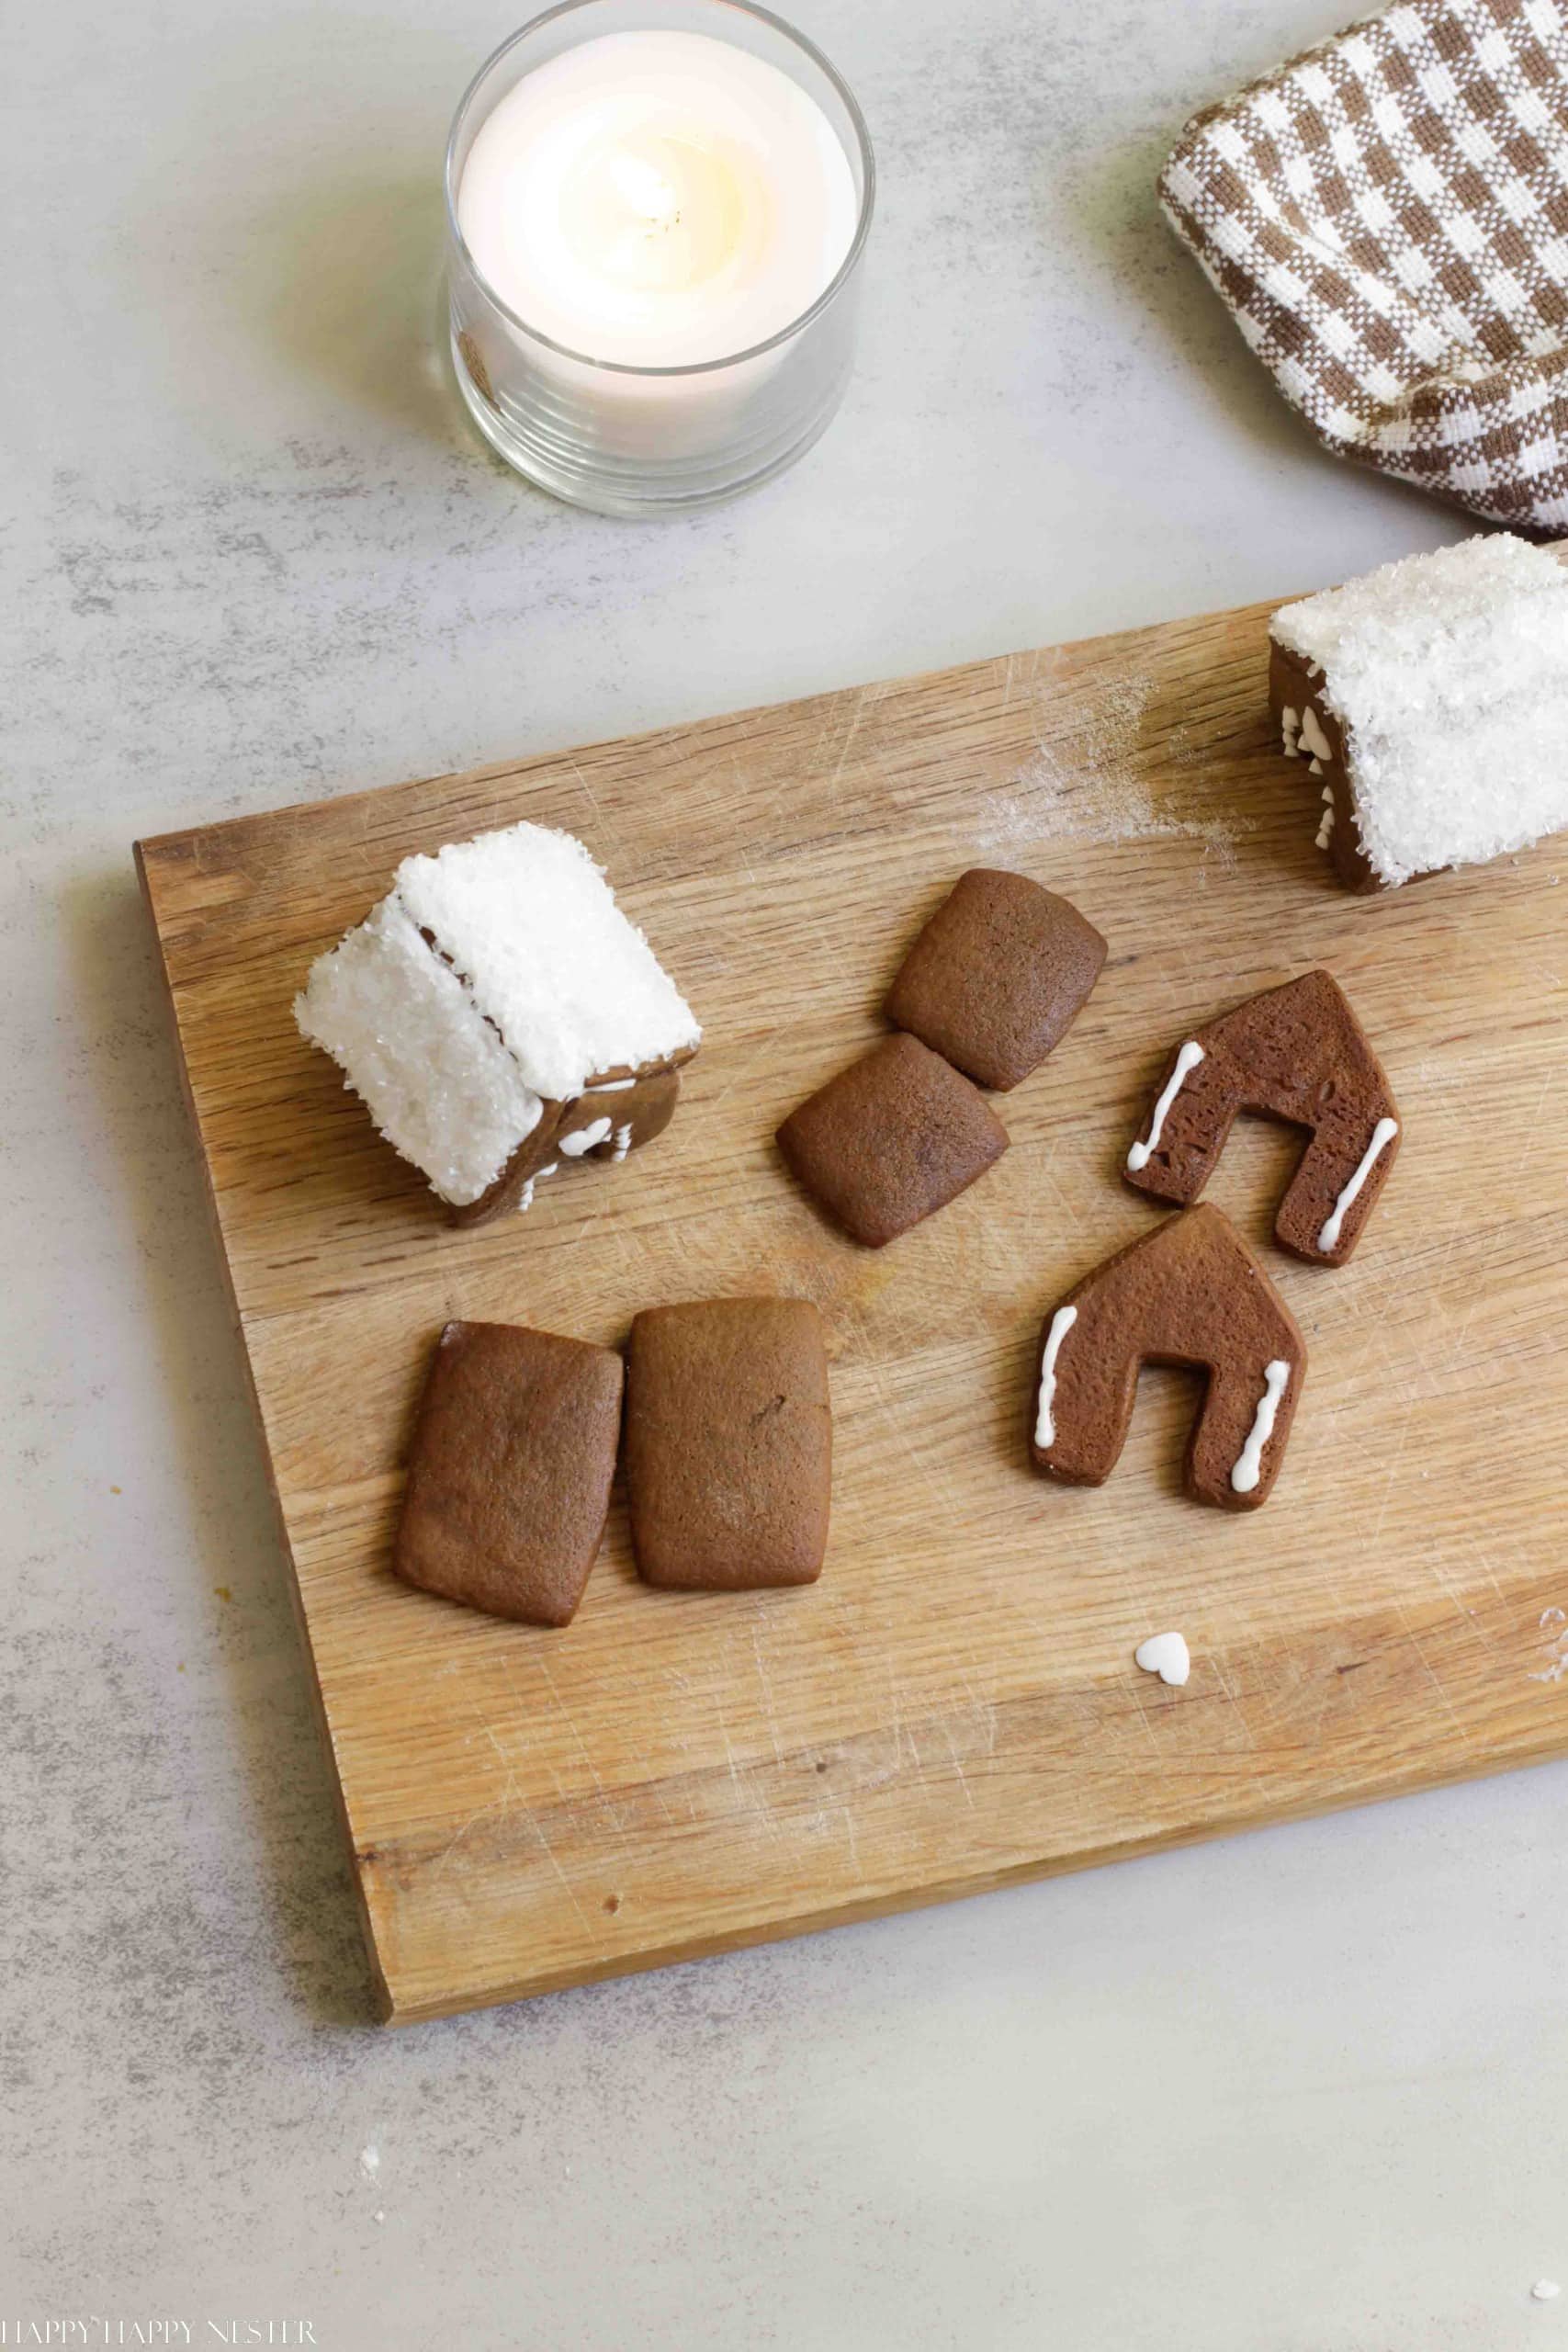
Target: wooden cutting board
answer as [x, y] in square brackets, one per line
[955, 1705]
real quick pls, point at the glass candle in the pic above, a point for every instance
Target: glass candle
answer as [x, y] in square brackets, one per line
[656, 211]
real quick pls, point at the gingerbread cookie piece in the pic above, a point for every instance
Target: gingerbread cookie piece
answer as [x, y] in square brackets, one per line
[509, 1478]
[621, 1113]
[1298, 1053]
[512, 1190]
[897, 1135]
[1190, 1294]
[997, 976]
[729, 1444]
[1310, 731]
[1430, 698]
[611, 1117]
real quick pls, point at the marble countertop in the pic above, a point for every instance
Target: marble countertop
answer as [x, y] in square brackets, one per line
[1304, 2089]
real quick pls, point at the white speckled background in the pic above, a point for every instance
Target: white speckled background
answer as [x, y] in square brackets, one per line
[1299, 2093]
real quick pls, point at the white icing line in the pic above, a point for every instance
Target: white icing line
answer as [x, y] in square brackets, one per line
[583, 1139]
[1249, 1469]
[1167, 1656]
[610, 1086]
[622, 1145]
[1314, 739]
[1289, 728]
[1187, 1059]
[1382, 1136]
[1045, 1427]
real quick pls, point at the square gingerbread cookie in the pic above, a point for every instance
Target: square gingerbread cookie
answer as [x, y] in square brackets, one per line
[997, 976]
[729, 1444]
[510, 1474]
[897, 1135]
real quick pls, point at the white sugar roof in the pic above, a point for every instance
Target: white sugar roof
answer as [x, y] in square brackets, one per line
[1448, 673]
[573, 987]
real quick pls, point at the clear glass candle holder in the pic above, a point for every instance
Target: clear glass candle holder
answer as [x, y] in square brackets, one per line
[643, 440]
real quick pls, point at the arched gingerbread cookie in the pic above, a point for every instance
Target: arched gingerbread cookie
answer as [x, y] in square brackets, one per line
[1299, 1053]
[1190, 1294]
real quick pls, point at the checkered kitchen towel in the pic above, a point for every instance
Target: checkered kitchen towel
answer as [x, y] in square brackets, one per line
[1387, 217]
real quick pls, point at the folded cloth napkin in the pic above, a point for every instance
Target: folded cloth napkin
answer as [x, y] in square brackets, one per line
[1387, 218]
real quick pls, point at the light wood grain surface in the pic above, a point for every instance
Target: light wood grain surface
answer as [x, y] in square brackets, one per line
[955, 1706]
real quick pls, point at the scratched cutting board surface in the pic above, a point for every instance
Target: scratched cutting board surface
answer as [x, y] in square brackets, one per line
[955, 1706]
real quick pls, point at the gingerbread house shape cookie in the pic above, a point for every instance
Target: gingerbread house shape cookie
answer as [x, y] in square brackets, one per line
[501, 1017]
[1190, 1294]
[1296, 1054]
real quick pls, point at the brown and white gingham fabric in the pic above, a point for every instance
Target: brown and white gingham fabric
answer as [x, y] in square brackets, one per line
[1387, 218]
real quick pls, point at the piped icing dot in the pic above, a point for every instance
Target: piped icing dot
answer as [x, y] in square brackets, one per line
[1314, 739]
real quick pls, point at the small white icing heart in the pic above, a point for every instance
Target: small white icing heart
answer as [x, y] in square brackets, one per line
[1166, 1655]
[583, 1139]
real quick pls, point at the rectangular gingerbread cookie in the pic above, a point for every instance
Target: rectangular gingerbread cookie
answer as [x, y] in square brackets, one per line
[510, 1474]
[729, 1445]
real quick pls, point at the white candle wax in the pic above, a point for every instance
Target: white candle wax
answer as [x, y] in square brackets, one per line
[658, 199]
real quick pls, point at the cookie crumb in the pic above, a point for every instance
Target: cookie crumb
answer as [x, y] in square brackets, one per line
[370, 2162]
